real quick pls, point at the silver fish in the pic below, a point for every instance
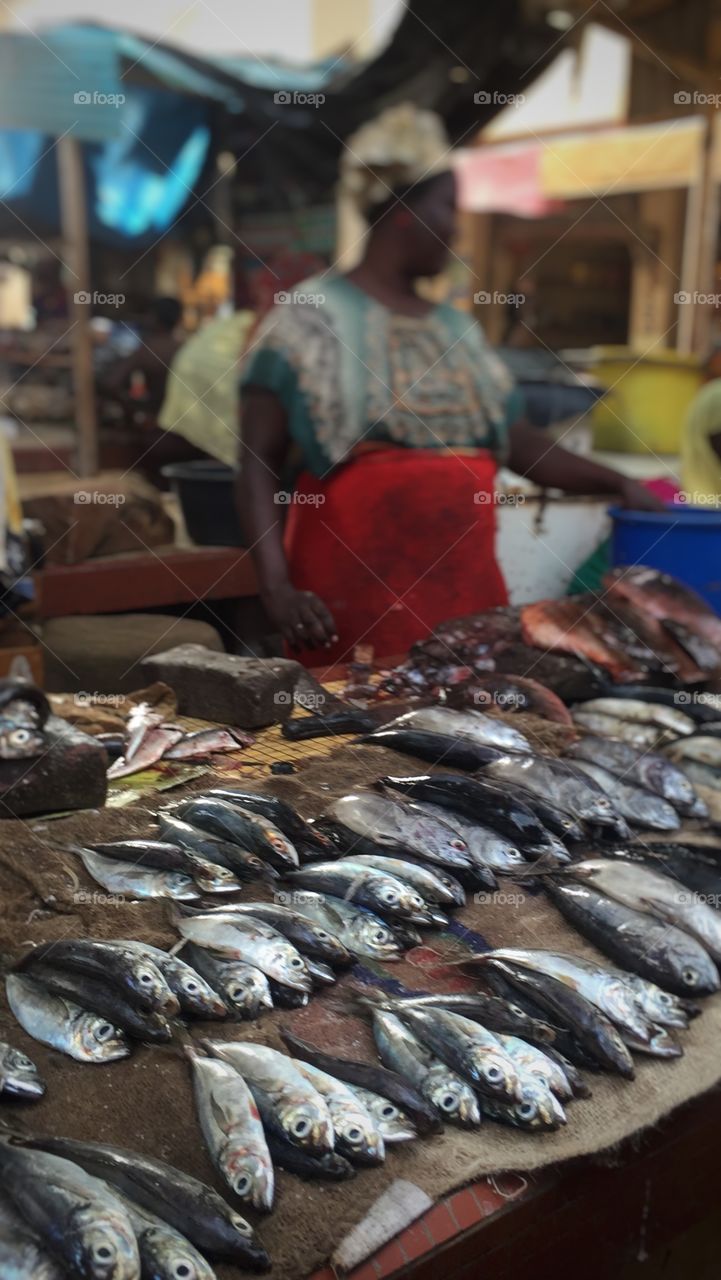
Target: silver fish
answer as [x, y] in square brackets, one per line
[357, 882]
[701, 775]
[131, 880]
[634, 710]
[645, 890]
[244, 988]
[22, 1256]
[164, 1253]
[19, 741]
[646, 736]
[452, 1097]
[193, 993]
[399, 825]
[206, 742]
[701, 749]
[533, 1062]
[75, 1214]
[637, 806]
[645, 769]
[486, 848]
[605, 987]
[245, 938]
[19, 1077]
[63, 1025]
[477, 1054]
[393, 1123]
[537, 1108]
[357, 1136]
[296, 1106]
[232, 1129]
[657, 1005]
[566, 787]
[362, 932]
[424, 880]
[489, 731]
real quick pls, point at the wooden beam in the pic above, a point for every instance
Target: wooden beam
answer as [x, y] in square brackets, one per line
[76, 255]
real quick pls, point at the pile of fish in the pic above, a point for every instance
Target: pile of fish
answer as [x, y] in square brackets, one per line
[87, 1211]
[19, 1077]
[91, 999]
[149, 739]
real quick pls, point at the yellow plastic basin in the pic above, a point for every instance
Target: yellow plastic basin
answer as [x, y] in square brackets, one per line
[648, 396]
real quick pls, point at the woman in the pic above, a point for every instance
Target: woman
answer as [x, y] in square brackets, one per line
[397, 413]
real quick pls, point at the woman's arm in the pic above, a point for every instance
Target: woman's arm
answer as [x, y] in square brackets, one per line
[535, 455]
[300, 616]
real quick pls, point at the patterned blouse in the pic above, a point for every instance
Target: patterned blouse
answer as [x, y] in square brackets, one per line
[348, 370]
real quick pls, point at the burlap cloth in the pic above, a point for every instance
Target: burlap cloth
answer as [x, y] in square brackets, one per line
[146, 1102]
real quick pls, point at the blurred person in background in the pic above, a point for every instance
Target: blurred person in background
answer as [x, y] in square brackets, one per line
[400, 414]
[701, 440]
[137, 381]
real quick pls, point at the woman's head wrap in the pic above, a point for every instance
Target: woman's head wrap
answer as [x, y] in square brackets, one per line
[391, 154]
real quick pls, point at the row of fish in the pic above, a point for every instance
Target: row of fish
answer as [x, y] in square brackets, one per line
[693, 746]
[92, 1212]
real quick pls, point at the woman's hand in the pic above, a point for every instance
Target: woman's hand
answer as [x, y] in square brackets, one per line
[636, 497]
[300, 616]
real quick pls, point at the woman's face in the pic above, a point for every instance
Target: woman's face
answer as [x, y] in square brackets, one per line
[430, 235]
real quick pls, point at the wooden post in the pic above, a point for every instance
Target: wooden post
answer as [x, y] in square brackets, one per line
[708, 240]
[74, 226]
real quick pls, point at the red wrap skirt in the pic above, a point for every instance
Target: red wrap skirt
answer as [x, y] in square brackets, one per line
[395, 541]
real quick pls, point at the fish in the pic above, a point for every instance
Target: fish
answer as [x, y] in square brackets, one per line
[571, 626]
[597, 1036]
[297, 829]
[486, 848]
[239, 826]
[19, 741]
[643, 736]
[508, 693]
[322, 974]
[330, 1167]
[133, 972]
[62, 1024]
[701, 749]
[701, 775]
[665, 598]
[75, 1215]
[424, 880]
[184, 1202]
[534, 1062]
[488, 731]
[157, 740]
[207, 742]
[536, 1110]
[287, 997]
[194, 995]
[452, 1097]
[639, 807]
[301, 728]
[232, 1129]
[393, 1088]
[356, 882]
[699, 706]
[666, 718]
[466, 1046]
[605, 988]
[19, 1077]
[645, 889]
[310, 939]
[161, 854]
[392, 825]
[697, 868]
[164, 1253]
[361, 931]
[649, 770]
[244, 865]
[130, 880]
[659, 1006]
[494, 1013]
[244, 938]
[435, 748]
[243, 988]
[22, 1256]
[105, 1001]
[479, 801]
[285, 1098]
[357, 1136]
[393, 1123]
[656, 951]
[566, 785]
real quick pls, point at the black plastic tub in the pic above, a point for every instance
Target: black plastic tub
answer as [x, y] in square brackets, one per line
[205, 492]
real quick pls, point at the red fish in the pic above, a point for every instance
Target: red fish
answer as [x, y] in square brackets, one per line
[668, 600]
[572, 626]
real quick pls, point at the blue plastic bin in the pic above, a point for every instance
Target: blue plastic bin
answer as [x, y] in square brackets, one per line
[682, 541]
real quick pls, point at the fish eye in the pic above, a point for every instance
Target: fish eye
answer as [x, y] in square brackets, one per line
[379, 935]
[388, 1112]
[146, 977]
[448, 1102]
[457, 844]
[690, 977]
[321, 933]
[242, 1227]
[354, 1134]
[20, 736]
[191, 986]
[517, 1010]
[242, 1185]
[183, 1271]
[301, 1127]
[389, 895]
[665, 998]
[236, 992]
[526, 1110]
[104, 1031]
[103, 1252]
[296, 962]
[493, 1074]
